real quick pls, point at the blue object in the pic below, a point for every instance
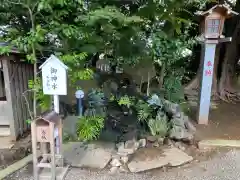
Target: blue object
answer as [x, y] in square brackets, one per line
[79, 97]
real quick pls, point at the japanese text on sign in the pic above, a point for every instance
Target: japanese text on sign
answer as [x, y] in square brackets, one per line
[43, 134]
[52, 80]
[208, 72]
[54, 76]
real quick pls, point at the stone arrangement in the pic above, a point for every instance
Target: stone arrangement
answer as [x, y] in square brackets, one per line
[182, 128]
[126, 160]
[130, 156]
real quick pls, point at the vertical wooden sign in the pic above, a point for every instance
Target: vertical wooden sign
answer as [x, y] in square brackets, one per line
[54, 79]
[206, 82]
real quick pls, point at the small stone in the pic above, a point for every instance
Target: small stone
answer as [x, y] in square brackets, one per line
[130, 144]
[136, 145]
[164, 168]
[152, 139]
[115, 163]
[124, 159]
[142, 143]
[116, 156]
[113, 170]
[168, 142]
[180, 146]
[123, 153]
[160, 141]
[123, 169]
[155, 144]
[121, 148]
[130, 147]
[119, 145]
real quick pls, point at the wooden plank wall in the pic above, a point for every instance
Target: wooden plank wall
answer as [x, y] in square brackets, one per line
[9, 112]
[2, 88]
[20, 74]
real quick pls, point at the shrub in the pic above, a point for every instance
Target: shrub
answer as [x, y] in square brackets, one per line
[159, 125]
[89, 127]
[153, 112]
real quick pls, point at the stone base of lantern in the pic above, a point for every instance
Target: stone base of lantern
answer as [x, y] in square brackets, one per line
[45, 173]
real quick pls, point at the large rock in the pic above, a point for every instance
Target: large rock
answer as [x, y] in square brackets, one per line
[92, 155]
[180, 133]
[178, 121]
[69, 125]
[147, 159]
[189, 125]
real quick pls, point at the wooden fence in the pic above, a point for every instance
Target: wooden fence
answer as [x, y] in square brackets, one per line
[18, 97]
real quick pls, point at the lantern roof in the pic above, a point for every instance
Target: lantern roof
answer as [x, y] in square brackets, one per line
[222, 9]
[49, 116]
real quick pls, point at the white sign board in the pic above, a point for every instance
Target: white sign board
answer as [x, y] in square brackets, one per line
[54, 76]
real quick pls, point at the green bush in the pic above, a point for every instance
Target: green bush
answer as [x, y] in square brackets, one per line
[157, 122]
[159, 125]
[89, 127]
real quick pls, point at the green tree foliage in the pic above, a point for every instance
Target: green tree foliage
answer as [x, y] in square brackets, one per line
[75, 30]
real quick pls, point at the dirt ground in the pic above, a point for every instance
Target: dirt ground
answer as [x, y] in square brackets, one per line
[21, 149]
[224, 123]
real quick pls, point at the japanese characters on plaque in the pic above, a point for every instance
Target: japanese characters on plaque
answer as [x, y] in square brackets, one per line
[43, 134]
[54, 77]
[208, 71]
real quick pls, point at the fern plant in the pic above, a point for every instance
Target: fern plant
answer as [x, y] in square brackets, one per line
[125, 100]
[159, 125]
[153, 113]
[144, 111]
[89, 127]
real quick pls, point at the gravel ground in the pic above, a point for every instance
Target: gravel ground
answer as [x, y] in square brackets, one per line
[223, 167]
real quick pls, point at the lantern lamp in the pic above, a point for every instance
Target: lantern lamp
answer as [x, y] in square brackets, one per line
[214, 20]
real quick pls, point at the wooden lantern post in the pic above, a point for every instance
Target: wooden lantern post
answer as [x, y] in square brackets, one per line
[47, 130]
[214, 20]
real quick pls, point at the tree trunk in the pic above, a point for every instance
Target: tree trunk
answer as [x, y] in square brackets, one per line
[226, 90]
[195, 83]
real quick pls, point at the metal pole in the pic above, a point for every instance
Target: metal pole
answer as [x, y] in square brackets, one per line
[79, 97]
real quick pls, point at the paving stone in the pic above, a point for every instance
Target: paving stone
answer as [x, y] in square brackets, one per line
[169, 156]
[176, 157]
[92, 156]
